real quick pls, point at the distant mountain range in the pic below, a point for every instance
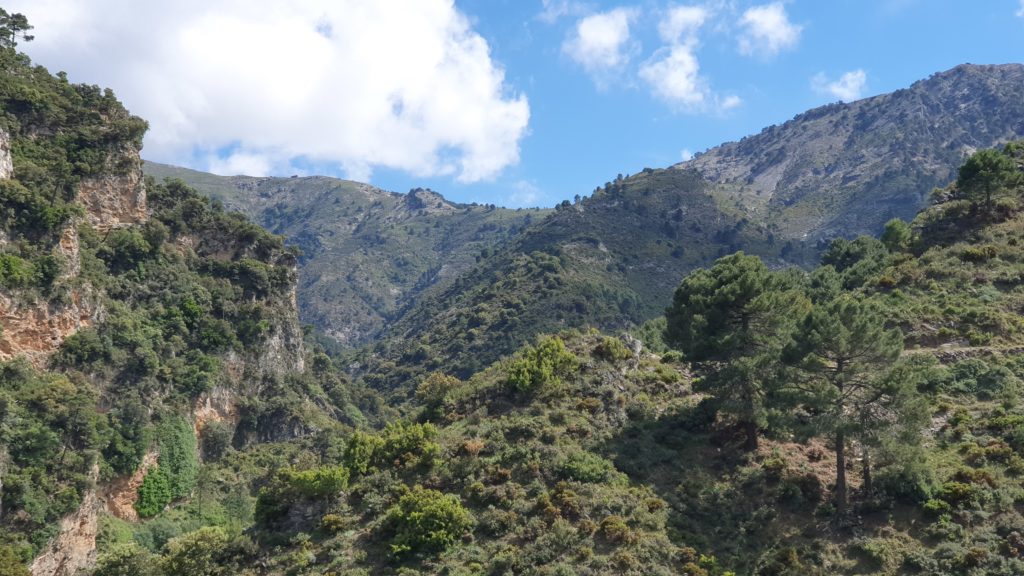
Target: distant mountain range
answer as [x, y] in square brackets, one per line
[366, 253]
[434, 283]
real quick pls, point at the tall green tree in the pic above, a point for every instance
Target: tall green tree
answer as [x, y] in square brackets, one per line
[987, 174]
[732, 321]
[843, 351]
[12, 27]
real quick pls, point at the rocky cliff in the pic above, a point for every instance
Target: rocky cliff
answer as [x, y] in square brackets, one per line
[117, 195]
[34, 325]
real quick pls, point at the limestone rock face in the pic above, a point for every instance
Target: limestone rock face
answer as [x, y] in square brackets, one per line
[117, 196]
[6, 165]
[36, 329]
[121, 494]
[73, 550]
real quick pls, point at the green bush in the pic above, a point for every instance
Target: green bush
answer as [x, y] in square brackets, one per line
[178, 456]
[154, 493]
[584, 467]
[126, 560]
[360, 450]
[11, 564]
[542, 366]
[289, 486]
[612, 350]
[426, 521]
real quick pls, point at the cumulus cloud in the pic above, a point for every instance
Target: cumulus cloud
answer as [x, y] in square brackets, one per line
[263, 87]
[673, 74]
[849, 86]
[601, 42]
[766, 30]
[681, 23]
[673, 71]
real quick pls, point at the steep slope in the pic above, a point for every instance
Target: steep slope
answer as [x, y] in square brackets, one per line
[845, 169]
[610, 260]
[587, 454]
[836, 171]
[142, 327]
[366, 253]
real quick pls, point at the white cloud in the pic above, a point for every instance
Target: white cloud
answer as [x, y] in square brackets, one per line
[1021, 11]
[401, 84]
[673, 71]
[681, 23]
[730, 102]
[766, 30]
[240, 163]
[601, 42]
[673, 76]
[850, 86]
[685, 154]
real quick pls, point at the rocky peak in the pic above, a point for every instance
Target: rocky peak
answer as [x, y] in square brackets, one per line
[427, 199]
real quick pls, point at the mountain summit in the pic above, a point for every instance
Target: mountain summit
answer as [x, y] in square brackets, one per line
[845, 169]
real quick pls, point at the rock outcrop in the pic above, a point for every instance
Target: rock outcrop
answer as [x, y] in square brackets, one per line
[117, 196]
[6, 165]
[121, 494]
[73, 550]
[35, 330]
[35, 327]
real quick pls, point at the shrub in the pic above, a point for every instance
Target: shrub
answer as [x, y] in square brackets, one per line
[935, 507]
[542, 366]
[612, 350]
[434, 389]
[426, 521]
[290, 486]
[584, 467]
[333, 523]
[409, 444]
[11, 564]
[360, 450]
[154, 493]
[178, 456]
[126, 560]
[615, 529]
[216, 440]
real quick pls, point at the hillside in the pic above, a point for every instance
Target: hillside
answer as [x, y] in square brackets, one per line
[162, 412]
[845, 169]
[612, 259]
[590, 454]
[143, 329]
[366, 254]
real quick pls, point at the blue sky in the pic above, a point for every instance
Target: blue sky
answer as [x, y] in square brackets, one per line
[512, 102]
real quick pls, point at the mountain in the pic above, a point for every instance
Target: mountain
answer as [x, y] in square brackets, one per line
[845, 169]
[613, 258]
[143, 328]
[162, 413]
[366, 254]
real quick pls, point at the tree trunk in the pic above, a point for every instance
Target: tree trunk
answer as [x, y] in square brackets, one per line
[751, 428]
[840, 474]
[867, 470]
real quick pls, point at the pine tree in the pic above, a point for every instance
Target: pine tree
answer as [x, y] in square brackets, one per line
[732, 321]
[843, 352]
